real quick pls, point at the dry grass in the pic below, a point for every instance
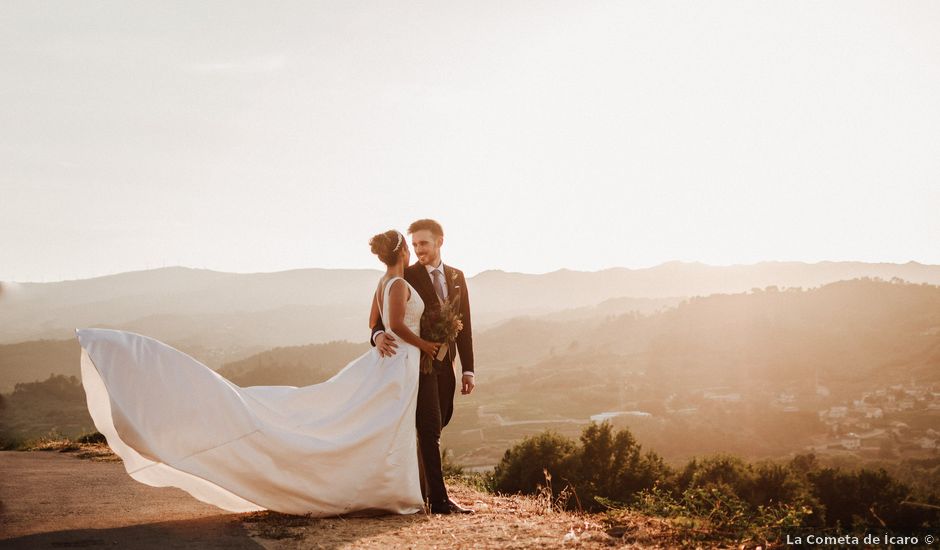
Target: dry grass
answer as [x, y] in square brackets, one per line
[90, 451]
[500, 521]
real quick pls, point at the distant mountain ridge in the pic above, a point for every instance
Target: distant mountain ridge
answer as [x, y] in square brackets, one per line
[220, 310]
[672, 279]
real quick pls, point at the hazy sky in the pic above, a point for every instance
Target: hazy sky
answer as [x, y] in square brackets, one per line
[266, 136]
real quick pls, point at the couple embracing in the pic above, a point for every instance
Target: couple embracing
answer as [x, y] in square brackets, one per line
[366, 440]
[415, 292]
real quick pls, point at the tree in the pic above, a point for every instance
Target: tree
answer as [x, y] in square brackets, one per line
[605, 464]
[521, 468]
[612, 466]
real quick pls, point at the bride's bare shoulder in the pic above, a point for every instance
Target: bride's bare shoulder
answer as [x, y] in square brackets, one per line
[400, 287]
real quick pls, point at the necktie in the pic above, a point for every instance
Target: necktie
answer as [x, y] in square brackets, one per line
[439, 284]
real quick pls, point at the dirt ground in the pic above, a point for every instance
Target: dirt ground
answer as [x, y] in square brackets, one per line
[50, 499]
[53, 500]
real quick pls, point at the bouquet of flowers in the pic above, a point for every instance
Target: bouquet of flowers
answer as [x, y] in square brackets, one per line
[441, 325]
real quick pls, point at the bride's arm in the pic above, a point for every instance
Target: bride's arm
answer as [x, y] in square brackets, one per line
[397, 298]
[381, 340]
[374, 314]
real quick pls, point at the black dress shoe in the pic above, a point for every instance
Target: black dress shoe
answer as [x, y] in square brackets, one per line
[444, 508]
[458, 509]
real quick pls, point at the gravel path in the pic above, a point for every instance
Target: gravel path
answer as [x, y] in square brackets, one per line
[54, 500]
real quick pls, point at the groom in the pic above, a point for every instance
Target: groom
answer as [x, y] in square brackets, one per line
[435, 282]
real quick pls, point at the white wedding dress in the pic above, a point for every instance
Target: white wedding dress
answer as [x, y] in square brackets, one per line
[347, 444]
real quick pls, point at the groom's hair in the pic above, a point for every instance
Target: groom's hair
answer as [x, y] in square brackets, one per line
[430, 225]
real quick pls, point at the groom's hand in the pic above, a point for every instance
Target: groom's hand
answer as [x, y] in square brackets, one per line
[386, 345]
[467, 384]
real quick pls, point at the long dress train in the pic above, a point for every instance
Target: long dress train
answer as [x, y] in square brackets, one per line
[344, 445]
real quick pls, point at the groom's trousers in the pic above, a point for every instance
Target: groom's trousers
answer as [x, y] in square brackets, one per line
[434, 410]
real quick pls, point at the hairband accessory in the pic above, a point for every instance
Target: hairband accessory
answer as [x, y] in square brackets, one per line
[397, 246]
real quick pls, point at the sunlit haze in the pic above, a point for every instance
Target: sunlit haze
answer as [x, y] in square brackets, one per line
[248, 137]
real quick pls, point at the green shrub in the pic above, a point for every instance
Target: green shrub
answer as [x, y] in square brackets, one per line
[867, 499]
[448, 466]
[611, 465]
[521, 470]
[718, 498]
[714, 512]
[602, 464]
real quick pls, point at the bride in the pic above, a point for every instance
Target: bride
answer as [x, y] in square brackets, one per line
[347, 444]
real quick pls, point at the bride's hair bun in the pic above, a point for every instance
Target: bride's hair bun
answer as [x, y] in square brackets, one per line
[387, 246]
